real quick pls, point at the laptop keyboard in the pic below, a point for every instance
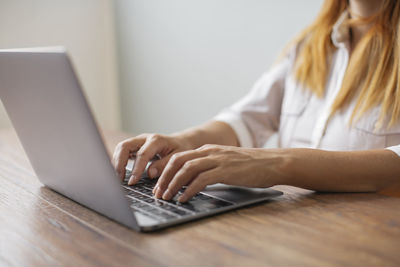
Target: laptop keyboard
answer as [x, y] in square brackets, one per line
[142, 200]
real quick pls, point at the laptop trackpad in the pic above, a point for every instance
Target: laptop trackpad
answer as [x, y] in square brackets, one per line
[238, 194]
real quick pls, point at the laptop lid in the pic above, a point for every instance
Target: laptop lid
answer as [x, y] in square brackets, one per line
[49, 112]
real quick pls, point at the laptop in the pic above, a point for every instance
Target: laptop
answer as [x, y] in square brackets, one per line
[55, 125]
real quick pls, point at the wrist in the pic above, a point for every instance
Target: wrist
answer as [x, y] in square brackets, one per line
[285, 166]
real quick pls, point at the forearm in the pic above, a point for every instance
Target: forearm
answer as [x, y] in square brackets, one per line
[212, 132]
[350, 171]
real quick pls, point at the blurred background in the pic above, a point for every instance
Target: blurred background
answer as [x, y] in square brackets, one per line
[158, 65]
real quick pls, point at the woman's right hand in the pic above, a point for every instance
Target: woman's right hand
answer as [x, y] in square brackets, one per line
[144, 148]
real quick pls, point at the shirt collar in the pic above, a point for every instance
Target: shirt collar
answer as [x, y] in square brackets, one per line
[340, 35]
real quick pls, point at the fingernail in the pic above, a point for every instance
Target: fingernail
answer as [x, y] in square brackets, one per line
[153, 172]
[155, 189]
[132, 180]
[167, 195]
[159, 193]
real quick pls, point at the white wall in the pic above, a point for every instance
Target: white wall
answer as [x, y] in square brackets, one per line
[86, 28]
[181, 61]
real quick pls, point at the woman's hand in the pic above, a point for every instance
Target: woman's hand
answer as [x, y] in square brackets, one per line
[212, 164]
[144, 148]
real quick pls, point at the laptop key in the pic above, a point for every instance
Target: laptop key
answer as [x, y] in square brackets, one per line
[134, 194]
[150, 200]
[179, 211]
[143, 190]
[142, 197]
[188, 206]
[159, 203]
[166, 207]
[134, 201]
[171, 208]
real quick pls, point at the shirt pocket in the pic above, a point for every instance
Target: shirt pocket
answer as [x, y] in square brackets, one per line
[367, 136]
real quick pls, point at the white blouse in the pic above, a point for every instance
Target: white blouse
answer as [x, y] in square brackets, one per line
[277, 103]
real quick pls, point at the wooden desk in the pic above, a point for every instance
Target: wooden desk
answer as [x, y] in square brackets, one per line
[39, 227]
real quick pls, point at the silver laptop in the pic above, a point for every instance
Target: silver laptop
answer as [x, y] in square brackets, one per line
[51, 116]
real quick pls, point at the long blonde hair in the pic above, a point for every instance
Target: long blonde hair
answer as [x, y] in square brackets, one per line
[373, 71]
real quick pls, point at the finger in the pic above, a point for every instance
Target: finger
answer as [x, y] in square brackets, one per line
[157, 166]
[199, 183]
[174, 164]
[122, 153]
[131, 144]
[147, 152]
[186, 174]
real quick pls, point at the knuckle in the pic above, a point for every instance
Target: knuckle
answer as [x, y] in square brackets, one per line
[142, 136]
[155, 137]
[173, 158]
[142, 154]
[121, 145]
[188, 166]
[176, 158]
[209, 147]
[124, 145]
[206, 146]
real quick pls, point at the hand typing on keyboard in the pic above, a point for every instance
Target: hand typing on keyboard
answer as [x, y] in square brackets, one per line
[211, 164]
[185, 162]
[144, 148]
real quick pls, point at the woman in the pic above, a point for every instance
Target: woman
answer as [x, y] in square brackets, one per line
[334, 100]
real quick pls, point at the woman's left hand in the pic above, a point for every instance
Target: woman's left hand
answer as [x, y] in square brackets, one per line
[212, 164]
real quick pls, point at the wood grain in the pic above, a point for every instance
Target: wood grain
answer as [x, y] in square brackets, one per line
[39, 227]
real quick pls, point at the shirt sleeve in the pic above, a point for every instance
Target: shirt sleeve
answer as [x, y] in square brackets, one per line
[256, 116]
[395, 149]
